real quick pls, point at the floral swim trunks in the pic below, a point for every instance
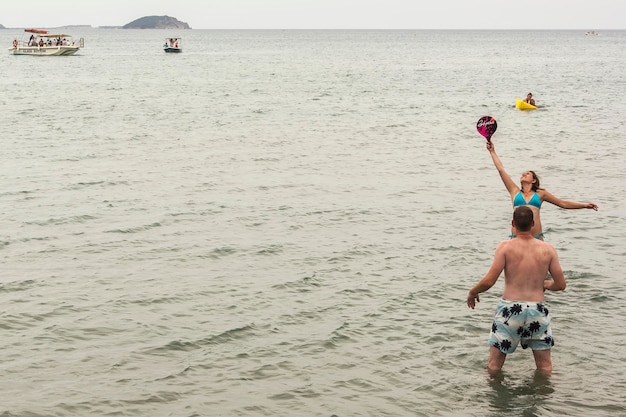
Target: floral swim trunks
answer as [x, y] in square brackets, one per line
[522, 322]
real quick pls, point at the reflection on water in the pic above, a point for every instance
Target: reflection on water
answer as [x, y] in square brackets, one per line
[519, 395]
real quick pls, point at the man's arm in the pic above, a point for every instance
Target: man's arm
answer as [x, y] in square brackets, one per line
[558, 278]
[489, 279]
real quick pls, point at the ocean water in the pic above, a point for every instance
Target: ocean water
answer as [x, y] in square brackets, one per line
[288, 222]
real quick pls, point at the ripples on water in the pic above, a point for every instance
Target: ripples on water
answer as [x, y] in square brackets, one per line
[279, 223]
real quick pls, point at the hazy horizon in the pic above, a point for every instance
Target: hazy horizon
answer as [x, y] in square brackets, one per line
[329, 14]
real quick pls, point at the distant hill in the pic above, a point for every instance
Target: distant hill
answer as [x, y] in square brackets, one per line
[156, 22]
[2, 27]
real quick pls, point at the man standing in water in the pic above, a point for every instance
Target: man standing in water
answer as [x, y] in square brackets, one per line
[521, 315]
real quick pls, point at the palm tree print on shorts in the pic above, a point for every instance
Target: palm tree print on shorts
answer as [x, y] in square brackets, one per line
[525, 331]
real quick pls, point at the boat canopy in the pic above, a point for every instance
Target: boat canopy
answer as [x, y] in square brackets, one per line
[40, 31]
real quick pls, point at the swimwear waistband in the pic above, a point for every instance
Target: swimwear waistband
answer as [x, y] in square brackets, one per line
[507, 301]
[539, 236]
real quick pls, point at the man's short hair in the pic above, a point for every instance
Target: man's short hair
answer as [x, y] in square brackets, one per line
[523, 218]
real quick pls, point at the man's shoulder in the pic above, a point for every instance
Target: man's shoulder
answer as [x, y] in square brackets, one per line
[548, 245]
[526, 242]
[542, 246]
[508, 245]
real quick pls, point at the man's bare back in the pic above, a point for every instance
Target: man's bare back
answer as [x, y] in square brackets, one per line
[527, 262]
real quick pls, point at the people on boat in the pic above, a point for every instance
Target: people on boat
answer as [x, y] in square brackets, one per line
[530, 100]
[41, 43]
[31, 40]
[530, 193]
[173, 43]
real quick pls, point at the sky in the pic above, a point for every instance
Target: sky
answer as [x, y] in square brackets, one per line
[326, 14]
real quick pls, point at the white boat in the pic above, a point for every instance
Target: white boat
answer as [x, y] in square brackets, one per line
[42, 43]
[172, 45]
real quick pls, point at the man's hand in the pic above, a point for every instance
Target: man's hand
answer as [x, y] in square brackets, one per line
[472, 299]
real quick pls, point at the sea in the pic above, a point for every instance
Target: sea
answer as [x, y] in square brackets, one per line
[287, 222]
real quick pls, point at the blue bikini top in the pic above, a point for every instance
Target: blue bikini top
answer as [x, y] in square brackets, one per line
[534, 200]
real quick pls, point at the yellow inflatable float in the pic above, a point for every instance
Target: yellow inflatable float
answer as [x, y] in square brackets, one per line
[522, 105]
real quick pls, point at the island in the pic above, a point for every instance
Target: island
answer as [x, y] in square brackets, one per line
[156, 22]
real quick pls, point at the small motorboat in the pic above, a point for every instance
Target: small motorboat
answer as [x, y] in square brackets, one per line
[172, 45]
